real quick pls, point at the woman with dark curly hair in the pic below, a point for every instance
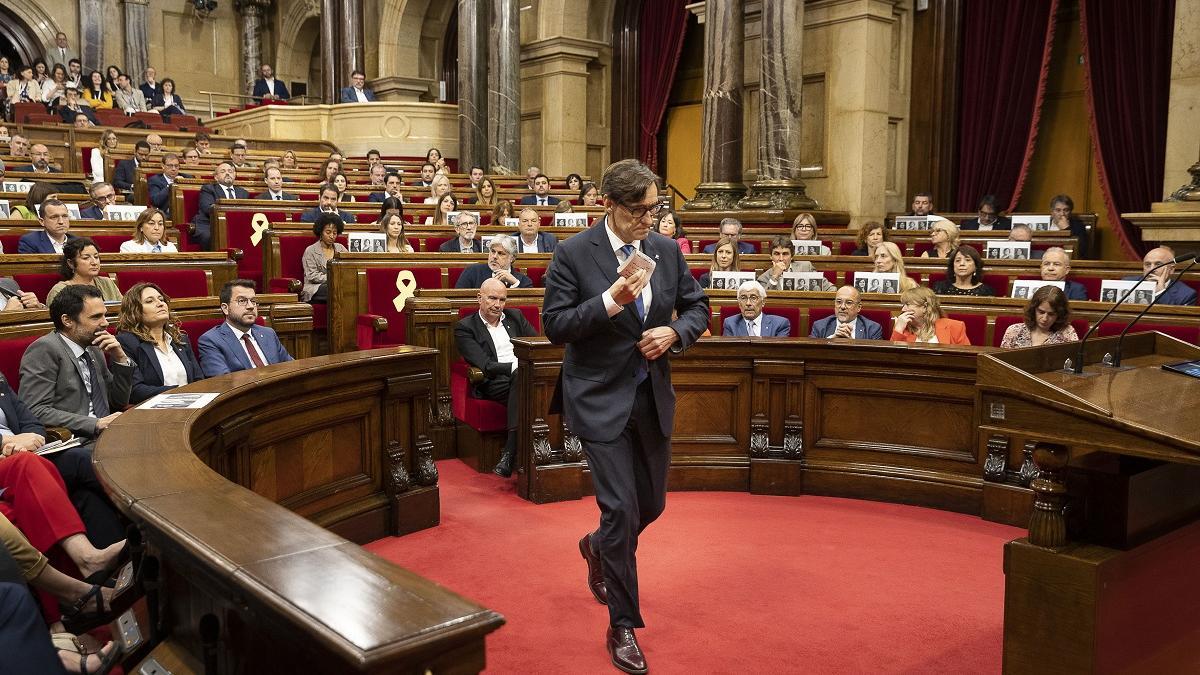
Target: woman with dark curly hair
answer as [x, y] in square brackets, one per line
[870, 235]
[1047, 321]
[80, 264]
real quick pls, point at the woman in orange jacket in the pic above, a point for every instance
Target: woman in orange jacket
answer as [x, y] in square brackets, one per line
[921, 320]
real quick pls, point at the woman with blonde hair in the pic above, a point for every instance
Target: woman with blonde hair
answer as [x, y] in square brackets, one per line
[724, 259]
[921, 320]
[944, 237]
[888, 259]
[149, 234]
[108, 143]
[804, 228]
[438, 187]
[149, 333]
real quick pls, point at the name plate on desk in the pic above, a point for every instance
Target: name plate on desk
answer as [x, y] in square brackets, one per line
[123, 212]
[16, 186]
[1035, 223]
[911, 223]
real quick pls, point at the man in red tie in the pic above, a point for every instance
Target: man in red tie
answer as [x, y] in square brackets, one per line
[239, 343]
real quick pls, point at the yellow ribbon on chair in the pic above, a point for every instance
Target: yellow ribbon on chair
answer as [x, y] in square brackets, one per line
[260, 225]
[406, 283]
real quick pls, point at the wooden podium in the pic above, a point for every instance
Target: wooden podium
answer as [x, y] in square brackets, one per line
[1107, 580]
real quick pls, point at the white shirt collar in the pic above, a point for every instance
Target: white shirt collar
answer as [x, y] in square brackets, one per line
[76, 350]
[616, 242]
[499, 323]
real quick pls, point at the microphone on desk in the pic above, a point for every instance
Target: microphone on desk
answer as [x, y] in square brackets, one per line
[1116, 353]
[1077, 368]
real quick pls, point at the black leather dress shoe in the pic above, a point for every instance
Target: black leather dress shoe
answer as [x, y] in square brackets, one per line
[624, 650]
[504, 467]
[595, 570]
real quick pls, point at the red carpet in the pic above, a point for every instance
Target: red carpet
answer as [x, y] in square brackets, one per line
[731, 583]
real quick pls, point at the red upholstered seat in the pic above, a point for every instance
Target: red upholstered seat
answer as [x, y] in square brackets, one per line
[1186, 333]
[480, 414]
[847, 247]
[238, 230]
[22, 110]
[455, 272]
[432, 244]
[792, 314]
[976, 327]
[1003, 322]
[111, 243]
[38, 284]
[10, 241]
[921, 247]
[535, 275]
[698, 271]
[191, 206]
[11, 351]
[381, 289]
[177, 283]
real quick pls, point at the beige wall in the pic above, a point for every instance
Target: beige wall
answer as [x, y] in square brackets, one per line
[1183, 133]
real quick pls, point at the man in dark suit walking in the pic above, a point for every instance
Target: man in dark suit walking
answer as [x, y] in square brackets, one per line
[222, 188]
[484, 339]
[614, 388]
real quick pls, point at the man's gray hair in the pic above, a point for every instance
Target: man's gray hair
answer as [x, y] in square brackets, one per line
[97, 186]
[466, 215]
[730, 221]
[752, 285]
[507, 243]
[1058, 249]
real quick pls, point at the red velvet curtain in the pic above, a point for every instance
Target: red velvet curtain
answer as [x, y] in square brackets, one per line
[1127, 48]
[660, 41]
[1005, 60]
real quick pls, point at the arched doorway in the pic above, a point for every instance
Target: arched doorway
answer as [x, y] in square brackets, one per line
[17, 39]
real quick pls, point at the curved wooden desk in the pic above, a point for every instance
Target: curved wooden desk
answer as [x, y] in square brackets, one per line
[220, 493]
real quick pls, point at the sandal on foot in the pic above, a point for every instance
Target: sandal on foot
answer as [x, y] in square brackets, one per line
[69, 643]
[91, 611]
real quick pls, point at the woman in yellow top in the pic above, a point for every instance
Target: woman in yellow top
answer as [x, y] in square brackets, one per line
[95, 93]
[81, 265]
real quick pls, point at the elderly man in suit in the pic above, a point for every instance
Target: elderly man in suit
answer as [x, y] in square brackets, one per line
[267, 88]
[541, 193]
[732, 228]
[530, 238]
[222, 188]
[846, 322]
[125, 174]
[102, 194]
[357, 92]
[53, 235]
[61, 51]
[502, 253]
[1056, 265]
[614, 387]
[484, 339]
[752, 322]
[273, 177]
[465, 227]
[1168, 293]
[239, 343]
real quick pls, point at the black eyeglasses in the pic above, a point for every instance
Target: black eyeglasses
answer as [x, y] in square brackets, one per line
[640, 212]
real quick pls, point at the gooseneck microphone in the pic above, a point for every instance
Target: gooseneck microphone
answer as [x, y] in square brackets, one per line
[1116, 354]
[1077, 368]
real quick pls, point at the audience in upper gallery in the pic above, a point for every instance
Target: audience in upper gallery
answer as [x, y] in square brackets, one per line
[95, 93]
[315, 259]
[782, 254]
[391, 188]
[169, 103]
[846, 323]
[392, 227]
[267, 88]
[503, 209]
[103, 195]
[1056, 265]
[75, 73]
[589, 195]
[80, 266]
[943, 234]
[530, 238]
[41, 72]
[922, 204]
[988, 217]
[151, 88]
[888, 259]
[126, 171]
[964, 274]
[541, 193]
[128, 98]
[273, 179]
[222, 187]
[239, 343]
[55, 87]
[490, 350]
[54, 391]
[99, 158]
[111, 74]
[23, 88]
[427, 173]
[149, 234]
[39, 156]
[1047, 320]
[752, 321]
[447, 205]
[804, 228]
[327, 203]
[667, 224]
[476, 176]
[6, 74]
[1168, 293]
[149, 333]
[921, 320]
[485, 193]
[502, 253]
[724, 259]
[465, 242]
[731, 228]
[574, 182]
[55, 222]
[440, 187]
[1062, 217]
[434, 156]
[357, 92]
[71, 108]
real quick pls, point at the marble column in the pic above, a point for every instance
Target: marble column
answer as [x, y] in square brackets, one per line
[472, 84]
[721, 130]
[781, 48]
[1183, 134]
[504, 87]
[136, 47]
[251, 14]
[350, 42]
[329, 52]
[91, 34]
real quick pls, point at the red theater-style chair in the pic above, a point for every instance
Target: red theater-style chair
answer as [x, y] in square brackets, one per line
[976, 327]
[382, 325]
[11, 351]
[184, 283]
[38, 284]
[1189, 334]
[291, 250]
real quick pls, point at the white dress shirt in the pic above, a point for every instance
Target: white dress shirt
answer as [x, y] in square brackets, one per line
[501, 341]
[132, 246]
[530, 248]
[754, 326]
[361, 95]
[174, 374]
[237, 334]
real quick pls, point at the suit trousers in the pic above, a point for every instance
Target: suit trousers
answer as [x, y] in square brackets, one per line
[23, 640]
[504, 390]
[100, 518]
[630, 477]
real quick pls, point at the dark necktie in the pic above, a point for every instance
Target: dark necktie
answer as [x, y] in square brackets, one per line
[279, 197]
[99, 402]
[254, 358]
[229, 193]
[627, 249]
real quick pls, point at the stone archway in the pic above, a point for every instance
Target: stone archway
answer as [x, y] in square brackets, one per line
[27, 28]
[299, 26]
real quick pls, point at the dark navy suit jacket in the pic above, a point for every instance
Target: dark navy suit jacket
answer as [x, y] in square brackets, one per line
[772, 326]
[474, 276]
[260, 90]
[348, 95]
[864, 329]
[532, 200]
[452, 246]
[148, 377]
[546, 242]
[91, 213]
[125, 174]
[37, 242]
